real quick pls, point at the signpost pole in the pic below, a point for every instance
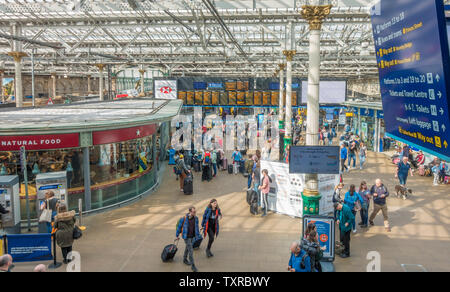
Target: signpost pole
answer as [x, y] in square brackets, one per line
[23, 157]
[315, 15]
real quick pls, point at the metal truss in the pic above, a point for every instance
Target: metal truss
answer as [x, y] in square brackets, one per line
[184, 37]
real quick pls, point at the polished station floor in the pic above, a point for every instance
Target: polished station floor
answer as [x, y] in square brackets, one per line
[131, 238]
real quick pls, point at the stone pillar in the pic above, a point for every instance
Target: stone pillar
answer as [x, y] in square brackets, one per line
[87, 178]
[2, 73]
[88, 84]
[142, 93]
[100, 83]
[281, 97]
[18, 92]
[288, 121]
[54, 86]
[315, 16]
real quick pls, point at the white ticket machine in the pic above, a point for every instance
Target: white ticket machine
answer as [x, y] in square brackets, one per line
[51, 181]
[10, 201]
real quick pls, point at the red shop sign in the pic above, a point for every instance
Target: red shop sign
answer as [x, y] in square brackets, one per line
[39, 142]
[119, 135]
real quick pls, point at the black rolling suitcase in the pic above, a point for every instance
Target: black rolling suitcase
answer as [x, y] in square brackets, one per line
[188, 187]
[230, 168]
[242, 167]
[197, 166]
[250, 195]
[169, 252]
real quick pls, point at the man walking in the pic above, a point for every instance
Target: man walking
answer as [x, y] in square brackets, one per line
[352, 154]
[344, 154]
[345, 219]
[188, 228]
[379, 193]
[403, 168]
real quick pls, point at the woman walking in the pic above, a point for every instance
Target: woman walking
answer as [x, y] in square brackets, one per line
[65, 223]
[210, 224]
[354, 201]
[265, 188]
[362, 155]
[364, 212]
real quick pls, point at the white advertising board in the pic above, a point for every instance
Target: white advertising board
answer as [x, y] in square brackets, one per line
[285, 190]
[166, 89]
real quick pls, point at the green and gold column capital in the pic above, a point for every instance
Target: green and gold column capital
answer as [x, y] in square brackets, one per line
[311, 199]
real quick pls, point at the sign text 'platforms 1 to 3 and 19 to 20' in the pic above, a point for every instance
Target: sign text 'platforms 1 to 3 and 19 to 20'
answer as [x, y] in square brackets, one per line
[412, 53]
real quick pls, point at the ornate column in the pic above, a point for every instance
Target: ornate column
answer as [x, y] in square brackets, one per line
[314, 14]
[88, 84]
[18, 92]
[288, 121]
[281, 98]
[100, 80]
[142, 93]
[54, 86]
[2, 72]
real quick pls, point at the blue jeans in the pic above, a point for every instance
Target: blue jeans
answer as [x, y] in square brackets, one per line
[402, 179]
[215, 168]
[354, 220]
[350, 157]
[256, 186]
[249, 182]
[364, 215]
[362, 159]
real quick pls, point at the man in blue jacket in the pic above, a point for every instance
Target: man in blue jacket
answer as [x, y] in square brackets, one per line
[345, 219]
[298, 256]
[344, 154]
[188, 228]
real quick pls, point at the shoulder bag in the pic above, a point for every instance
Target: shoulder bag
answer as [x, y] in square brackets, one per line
[46, 215]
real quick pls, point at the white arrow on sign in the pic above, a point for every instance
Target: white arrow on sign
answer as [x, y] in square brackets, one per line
[439, 94]
[441, 111]
[443, 128]
[438, 77]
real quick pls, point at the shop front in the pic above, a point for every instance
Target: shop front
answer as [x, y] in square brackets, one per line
[107, 150]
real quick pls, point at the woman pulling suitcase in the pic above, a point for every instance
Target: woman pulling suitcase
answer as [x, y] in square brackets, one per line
[210, 224]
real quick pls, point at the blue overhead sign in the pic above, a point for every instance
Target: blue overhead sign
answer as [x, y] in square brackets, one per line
[367, 112]
[412, 53]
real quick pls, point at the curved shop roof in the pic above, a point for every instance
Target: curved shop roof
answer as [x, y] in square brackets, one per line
[85, 117]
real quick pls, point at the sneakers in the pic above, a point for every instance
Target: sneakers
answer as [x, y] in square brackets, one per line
[194, 268]
[371, 223]
[354, 230]
[209, 253]
[186, 262]
[344, 255]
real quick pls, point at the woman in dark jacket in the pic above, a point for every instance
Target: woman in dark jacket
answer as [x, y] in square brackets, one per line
[311, 245]
[210, 224]
[65, 223]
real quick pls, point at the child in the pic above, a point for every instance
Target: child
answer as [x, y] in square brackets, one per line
[435, 171]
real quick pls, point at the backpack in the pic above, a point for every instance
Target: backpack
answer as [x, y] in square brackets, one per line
[304, 267]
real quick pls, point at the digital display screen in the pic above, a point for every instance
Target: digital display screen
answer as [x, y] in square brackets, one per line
[329, 91]
[274, 86]
[200, 85]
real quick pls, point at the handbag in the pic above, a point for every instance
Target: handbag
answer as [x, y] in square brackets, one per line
[357, 206]
[46, 215]
[77, 232]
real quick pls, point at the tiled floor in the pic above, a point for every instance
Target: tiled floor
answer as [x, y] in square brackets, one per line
[132, 238]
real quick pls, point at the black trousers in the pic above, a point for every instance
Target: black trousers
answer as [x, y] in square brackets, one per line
[345, 239]
[343, 166]
[65, 251]
[211, 234]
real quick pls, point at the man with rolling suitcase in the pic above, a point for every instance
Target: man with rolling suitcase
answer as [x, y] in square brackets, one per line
[188, 228]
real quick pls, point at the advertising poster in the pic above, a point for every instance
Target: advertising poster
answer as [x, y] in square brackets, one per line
[286, 188]
[326, 233]
[30, 247]
[166, 89]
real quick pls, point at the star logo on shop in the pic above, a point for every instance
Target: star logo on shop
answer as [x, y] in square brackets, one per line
[138, 133]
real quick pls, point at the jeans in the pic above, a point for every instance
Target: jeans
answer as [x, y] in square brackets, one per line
[402, 179]
[215, 168]
[255, 187]
[249, 181]
[189, 250]
[354, 220]
[364, 215]
[264, 203]
[350, 158]
[362, 159]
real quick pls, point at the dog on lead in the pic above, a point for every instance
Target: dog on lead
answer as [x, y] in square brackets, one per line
[402, 191]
